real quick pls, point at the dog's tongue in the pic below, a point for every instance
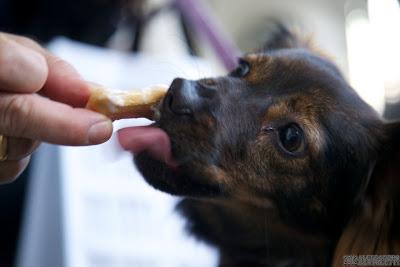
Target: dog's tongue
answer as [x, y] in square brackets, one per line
[148, 139]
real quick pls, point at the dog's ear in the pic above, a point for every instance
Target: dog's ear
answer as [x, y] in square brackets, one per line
[374, 228]
[280, 37]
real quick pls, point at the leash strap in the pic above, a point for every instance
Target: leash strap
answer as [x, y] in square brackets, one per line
[200, 18]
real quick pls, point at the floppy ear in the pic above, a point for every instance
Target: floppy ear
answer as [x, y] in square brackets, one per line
[374, 228]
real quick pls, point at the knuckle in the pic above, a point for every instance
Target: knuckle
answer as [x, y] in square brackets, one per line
[16, 114]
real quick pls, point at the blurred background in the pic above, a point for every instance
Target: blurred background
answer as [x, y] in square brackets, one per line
[61, 212]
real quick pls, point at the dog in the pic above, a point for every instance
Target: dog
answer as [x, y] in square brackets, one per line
[279, 163]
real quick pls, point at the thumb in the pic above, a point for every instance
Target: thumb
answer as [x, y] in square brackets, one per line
[38, 118]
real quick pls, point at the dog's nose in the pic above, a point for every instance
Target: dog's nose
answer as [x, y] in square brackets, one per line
[182, 97]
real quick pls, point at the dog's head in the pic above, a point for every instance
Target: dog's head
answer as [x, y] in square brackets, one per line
[283, 129]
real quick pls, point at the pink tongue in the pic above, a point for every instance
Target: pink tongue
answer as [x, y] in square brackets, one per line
[148, 139]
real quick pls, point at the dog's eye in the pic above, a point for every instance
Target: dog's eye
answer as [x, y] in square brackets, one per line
[291, 137]
[242, 69]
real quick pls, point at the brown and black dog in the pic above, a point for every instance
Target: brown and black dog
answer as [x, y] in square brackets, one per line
[281, 163]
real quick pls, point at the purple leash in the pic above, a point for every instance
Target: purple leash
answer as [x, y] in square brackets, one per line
[200, 18]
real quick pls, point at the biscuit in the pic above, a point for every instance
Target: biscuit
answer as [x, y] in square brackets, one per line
[125, 104]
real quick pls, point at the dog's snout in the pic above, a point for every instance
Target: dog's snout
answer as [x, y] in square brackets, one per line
[181, 97]
[184, 98]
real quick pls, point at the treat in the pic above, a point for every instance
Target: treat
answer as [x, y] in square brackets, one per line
[125, 104]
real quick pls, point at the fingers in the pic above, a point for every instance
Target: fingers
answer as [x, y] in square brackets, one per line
[19, 148]
[11, 169]
[27, 68]
[23, 70]
[63, 83]
[38, 118]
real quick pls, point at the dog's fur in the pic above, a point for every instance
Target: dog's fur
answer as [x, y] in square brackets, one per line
[259, 204]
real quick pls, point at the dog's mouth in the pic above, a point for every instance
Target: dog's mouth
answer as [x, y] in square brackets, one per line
[174, 154]
[151, 146]
[151, 140]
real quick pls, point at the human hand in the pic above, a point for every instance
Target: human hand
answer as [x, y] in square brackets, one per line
[41, 100]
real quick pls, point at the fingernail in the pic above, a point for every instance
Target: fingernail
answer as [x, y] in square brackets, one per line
[100, 132]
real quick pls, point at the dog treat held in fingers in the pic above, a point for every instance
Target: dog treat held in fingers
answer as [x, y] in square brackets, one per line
[125, 104]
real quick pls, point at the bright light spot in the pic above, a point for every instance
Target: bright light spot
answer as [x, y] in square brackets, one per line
[364, 63]
[384, 16]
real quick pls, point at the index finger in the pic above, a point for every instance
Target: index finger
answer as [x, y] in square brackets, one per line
[63, 84]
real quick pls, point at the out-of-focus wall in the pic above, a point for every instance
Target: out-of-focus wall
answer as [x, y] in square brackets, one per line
[246, 21]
